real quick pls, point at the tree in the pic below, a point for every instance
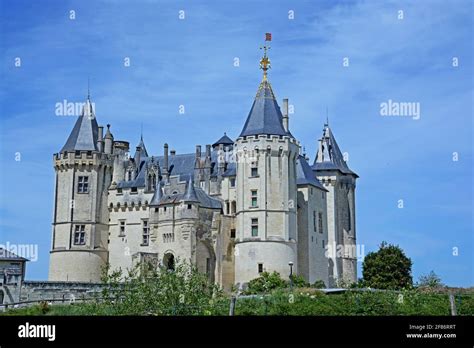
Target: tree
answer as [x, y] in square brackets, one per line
[430, 280]
[147, 290]
[266, 282]
[387, 268]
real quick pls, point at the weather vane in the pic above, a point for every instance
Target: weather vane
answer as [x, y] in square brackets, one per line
[265, 61]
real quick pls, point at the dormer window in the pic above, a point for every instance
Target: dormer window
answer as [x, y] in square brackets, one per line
[78, 154]
[134, 190]
[89, 153]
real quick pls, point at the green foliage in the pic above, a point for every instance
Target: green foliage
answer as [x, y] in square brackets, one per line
[266, 283]
[300, 282]
[388, 268]
[150, 291]
[319, 284]
[430, 280]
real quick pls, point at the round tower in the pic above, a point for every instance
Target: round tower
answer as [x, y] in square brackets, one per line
[80, 223]
[266, 153]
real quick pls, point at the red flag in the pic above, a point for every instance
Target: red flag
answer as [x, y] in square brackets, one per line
[268, 36]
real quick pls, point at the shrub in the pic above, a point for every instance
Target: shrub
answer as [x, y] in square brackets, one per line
[388, 268]
[266, 283]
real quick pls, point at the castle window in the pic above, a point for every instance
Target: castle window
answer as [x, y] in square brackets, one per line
[254, 172]
[320, 222]
[146, 232]
[260, 268]
[323, 243]
[254, 227]
[65, 154]
[190, 206]
[232, 233]
[122, 228]
[164, 208]
[233, 207]
[208, 265]
[80, 235]
[78, 154]
[232, 182]
[227, 207]
[89, 154]
[254, 198]
[119, 190]
[156, 210]
[314, 221]
[83, 184]
[133, 190]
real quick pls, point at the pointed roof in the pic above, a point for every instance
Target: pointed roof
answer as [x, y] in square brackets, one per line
[142, 149]
[304, 174]
[155, 200]
[224, 140]
[10, 256]
[265, 115]
[190, 195]
[84, 135]
[330, 157]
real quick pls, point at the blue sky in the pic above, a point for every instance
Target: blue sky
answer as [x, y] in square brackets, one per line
[190, 62]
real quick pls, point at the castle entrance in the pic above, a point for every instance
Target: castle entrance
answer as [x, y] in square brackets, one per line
[168, 261]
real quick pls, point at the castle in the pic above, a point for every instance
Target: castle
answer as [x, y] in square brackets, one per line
[234, 210]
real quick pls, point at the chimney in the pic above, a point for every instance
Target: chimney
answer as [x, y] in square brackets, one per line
[165, 161]
[138, 158]
[100, 139]
[285, 114]
[197, 166]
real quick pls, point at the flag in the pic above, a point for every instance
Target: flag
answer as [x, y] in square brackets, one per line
[268, 36]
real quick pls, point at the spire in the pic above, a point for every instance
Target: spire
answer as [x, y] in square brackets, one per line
[329, 156]
[190, 195]
[85, 133]
[265, 116]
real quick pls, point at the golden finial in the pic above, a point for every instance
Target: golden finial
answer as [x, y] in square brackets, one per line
[265, 61]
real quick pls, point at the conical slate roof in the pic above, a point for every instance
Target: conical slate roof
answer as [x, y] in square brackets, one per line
[304, 174]
[155, 200]
[84, 135]
[224, 140]
[265, 115]
[331, 157]
[190, 195]
[143, 151]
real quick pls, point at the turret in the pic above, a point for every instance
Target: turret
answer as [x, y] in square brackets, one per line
[80, 224]
[333, 172]
[266, 194]
[109, 141]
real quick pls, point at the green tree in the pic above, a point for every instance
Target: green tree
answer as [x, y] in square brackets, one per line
[147, 290]
[430, 280]
[387, 268]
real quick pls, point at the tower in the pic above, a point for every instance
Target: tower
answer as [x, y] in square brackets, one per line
[83, 170]
[266, 221]
[333, 172]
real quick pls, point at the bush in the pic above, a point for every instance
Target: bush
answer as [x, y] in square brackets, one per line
[388, 268]
[318, 284]
[267, 282]
[182, 291]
